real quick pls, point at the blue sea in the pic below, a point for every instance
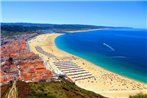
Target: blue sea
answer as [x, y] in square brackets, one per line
[120, 50]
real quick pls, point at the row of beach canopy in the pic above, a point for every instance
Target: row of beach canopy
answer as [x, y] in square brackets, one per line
[72, 70]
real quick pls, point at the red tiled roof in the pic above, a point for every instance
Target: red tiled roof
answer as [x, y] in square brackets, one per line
[29, 68]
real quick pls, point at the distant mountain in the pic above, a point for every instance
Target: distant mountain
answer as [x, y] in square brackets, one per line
[58, 25]
[35, 26]
[53, 25]
[25, 24]
[10, 29]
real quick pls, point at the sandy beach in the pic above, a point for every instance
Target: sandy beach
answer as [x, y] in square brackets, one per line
[86, 30]
[106, 83]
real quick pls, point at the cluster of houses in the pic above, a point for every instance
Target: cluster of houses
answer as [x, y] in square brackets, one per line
[17, 62]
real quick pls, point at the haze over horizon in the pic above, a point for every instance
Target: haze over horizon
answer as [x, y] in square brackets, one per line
[110, 13]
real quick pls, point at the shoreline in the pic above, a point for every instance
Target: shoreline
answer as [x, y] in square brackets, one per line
[96, 64]
[85, 30]
[108, 70]
[105, 83]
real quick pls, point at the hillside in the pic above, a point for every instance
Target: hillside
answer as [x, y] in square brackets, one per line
[10, 29]
[62, 89]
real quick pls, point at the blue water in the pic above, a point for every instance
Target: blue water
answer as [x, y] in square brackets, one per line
[123, 51]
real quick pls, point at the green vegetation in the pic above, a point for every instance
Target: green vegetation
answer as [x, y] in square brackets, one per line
[5, 90]
[10, 29]
[15, 28]
[62, 89]
[9, 34]
[139, 96]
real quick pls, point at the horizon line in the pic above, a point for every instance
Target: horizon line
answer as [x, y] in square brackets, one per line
[72, 24]
[67, 0]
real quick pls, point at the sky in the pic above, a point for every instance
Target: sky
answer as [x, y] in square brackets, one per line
[101, 13]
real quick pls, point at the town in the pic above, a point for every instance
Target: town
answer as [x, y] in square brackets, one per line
[19, 63]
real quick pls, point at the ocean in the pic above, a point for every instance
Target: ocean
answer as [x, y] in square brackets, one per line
[120, 50]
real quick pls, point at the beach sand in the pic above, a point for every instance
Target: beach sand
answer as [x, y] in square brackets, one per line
[106, 83]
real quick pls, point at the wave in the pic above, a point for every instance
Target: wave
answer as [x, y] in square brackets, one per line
[111, 48]
[118, 57]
